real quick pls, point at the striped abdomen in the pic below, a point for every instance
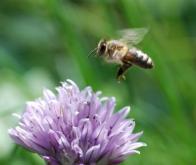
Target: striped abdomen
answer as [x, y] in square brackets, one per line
[139, 58]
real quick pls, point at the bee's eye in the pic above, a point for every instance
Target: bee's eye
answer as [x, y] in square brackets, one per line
[102, 49]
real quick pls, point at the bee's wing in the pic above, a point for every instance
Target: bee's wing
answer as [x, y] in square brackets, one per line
[132, 36]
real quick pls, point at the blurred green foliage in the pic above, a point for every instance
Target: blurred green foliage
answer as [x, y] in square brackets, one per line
[43, 42]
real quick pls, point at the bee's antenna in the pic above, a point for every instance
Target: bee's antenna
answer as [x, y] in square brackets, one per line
[92, 52]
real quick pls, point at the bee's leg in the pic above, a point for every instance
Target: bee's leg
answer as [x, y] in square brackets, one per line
[122, 70]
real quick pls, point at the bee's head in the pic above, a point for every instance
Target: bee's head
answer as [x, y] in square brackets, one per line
[102, 47]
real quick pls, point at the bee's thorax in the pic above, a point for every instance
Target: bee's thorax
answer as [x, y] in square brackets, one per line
[115, 51]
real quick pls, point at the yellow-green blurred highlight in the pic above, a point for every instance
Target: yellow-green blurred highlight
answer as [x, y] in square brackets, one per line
[43, 42]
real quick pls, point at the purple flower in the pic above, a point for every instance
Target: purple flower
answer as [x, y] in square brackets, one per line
[76, 128]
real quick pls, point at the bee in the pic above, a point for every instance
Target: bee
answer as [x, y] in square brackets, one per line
[123, 52]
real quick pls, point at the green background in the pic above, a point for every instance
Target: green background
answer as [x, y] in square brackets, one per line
[43, 42]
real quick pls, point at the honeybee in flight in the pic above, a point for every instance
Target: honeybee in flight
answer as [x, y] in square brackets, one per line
[123, 52]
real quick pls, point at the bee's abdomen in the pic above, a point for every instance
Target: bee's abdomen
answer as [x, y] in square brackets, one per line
[139, 58]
